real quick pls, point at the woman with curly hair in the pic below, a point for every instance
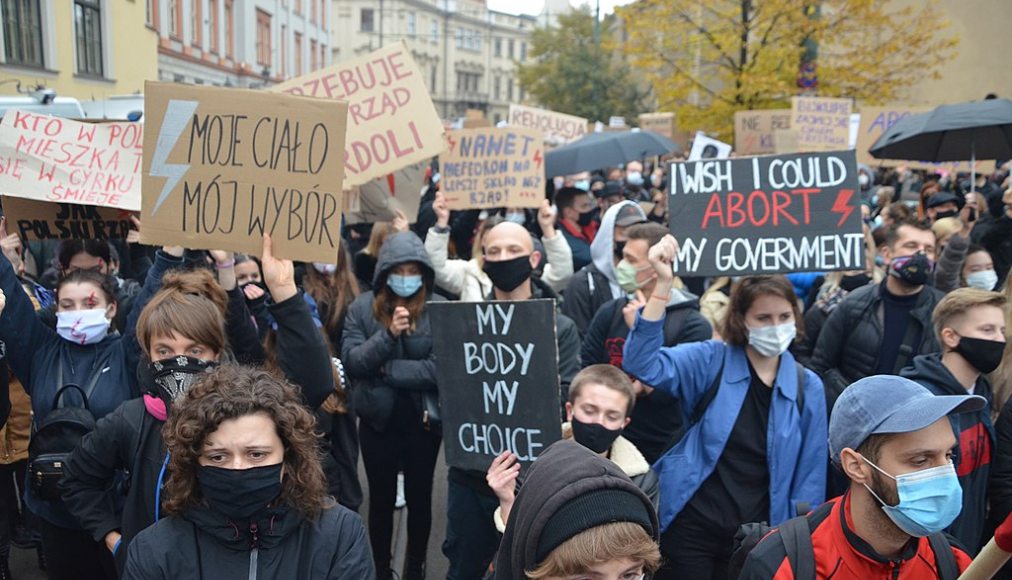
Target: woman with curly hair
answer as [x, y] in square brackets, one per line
[246, 495]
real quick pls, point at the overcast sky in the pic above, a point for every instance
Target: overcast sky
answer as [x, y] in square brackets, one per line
[535, 6]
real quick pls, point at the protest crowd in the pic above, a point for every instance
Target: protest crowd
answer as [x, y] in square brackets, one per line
[614, 394]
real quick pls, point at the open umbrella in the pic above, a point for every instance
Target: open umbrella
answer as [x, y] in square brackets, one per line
[598, 150]
[960, 132]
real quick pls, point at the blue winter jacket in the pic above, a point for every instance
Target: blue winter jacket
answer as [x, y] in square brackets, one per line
[796, 445]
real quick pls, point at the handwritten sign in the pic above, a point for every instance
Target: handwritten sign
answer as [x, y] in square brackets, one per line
[485, 168]
[381, 198]
[498, 377]
[767, 215]
[753, 130]
[821, 123]
[876, 120]
[55, 159]
[392, 122]
[224, 166]
[660, 123]
[44, 220]
[557, 128]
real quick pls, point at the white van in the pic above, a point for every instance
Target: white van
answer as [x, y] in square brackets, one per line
[58, 106]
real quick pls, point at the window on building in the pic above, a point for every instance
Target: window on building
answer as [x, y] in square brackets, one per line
[367, 20]
[263, 38]
[460, 37]
[22, 22]
[312, 11]
[323, 15]
[523, 51]
[523, 95]
[509, 90]
[176, 19]
[497, 44]
[510, 48]
[196, 23]
[496, 88]
[298, 54]
[229, 30]
[323, 55]
[298, 6]
[151, 13]
[212, 19]
[88, 33]
[433, 79]
[284, 51]
[412, 25]
[313, 63]
[435, 30]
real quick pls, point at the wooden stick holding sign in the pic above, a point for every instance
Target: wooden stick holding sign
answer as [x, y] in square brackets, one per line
[498, 375]
[222, 167]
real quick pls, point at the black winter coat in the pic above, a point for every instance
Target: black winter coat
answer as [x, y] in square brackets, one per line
[849, 344]
[205, 545]
[975, 440]
[588, 290]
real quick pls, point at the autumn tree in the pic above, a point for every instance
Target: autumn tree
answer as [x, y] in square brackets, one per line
[570, 72]
[707, 59]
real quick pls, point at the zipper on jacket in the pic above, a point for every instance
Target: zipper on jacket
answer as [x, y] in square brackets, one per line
[254, 551]
[896, 569]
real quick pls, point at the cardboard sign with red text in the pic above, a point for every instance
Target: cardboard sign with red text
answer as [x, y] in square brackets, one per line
[222, 167]
[55, 159]
[45, 220]
[557, 128]
[392, 122]
[486, 168]
[753, 130]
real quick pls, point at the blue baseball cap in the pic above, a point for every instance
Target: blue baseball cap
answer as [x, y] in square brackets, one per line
[889, 404]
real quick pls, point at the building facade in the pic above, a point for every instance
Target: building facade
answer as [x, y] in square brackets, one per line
[83, 49]
[467, 52]
[240, 43]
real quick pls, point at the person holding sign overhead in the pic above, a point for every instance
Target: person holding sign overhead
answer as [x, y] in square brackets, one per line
[387, 352]
[755, 446]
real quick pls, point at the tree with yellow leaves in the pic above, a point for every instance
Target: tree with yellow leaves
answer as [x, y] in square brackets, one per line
[706, 59]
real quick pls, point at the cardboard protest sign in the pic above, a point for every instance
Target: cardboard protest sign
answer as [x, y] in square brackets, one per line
[392, 122]
[704, 147]
[224, 166]
[557, 128]
[380, 198]
[753, 130]
[876, 120]
[45, 220]
[821, 123]
[785, 141]
[498, 374]
[660, 123]
[767, 215]
[497, 167]
[55, 159]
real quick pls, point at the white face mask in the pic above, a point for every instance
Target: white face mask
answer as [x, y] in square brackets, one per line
[771, 341]
[984, 280]
[325, 269]
[83, 326]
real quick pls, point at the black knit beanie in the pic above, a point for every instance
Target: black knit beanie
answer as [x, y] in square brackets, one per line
[590, 510]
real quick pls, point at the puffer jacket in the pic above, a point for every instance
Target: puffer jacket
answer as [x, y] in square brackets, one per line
[15, 433]
[204, 545]
[379, 365]
[849, 344]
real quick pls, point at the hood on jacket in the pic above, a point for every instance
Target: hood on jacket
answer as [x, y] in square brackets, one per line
[602, 248]
[400, 248]
[681, 298]
[564, 473]
[928, 370]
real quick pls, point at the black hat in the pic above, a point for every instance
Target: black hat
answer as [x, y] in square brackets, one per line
[630, 214]
[610, 189]
[943, 198]
[588, 511]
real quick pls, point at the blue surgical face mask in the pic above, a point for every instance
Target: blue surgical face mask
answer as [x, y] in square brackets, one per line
[930, 499]
[583, 184]
[404, 286]
[517, 217]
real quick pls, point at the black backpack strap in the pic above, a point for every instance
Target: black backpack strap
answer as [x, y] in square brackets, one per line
[801, 387]
[945, 560]
[907, 348]
[708, 396]
[797, 538]
[89, 387]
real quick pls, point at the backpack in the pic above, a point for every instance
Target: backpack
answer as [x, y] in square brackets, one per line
[796, 535]
[58, 434]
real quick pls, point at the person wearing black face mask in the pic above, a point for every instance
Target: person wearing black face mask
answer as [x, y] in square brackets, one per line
[577, 223]
[601, 400]
[246, 496]
[471, 540]
[192, 306]
[880, 328]
[970, 325]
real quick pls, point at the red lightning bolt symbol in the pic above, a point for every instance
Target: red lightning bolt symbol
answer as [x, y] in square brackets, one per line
[537, 158]
[391, 182]
[453, 144]
[842, 205]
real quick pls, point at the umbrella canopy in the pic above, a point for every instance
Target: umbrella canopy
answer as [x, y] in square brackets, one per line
[960, 132]
[598, 150]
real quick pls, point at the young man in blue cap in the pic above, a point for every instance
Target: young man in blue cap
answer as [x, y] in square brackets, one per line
[894, 441]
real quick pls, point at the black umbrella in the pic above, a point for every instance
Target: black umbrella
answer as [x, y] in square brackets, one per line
[961, 132]
[599, 150]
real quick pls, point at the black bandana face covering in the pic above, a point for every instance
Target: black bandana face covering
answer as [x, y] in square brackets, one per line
[174, 376]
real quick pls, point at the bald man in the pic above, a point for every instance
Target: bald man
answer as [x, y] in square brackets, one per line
[471, 535]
